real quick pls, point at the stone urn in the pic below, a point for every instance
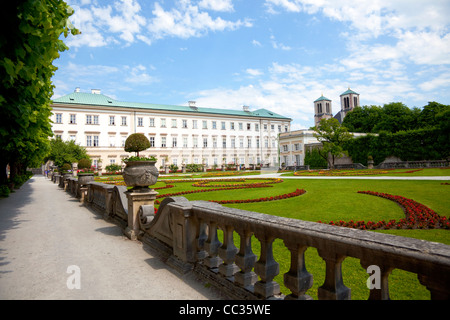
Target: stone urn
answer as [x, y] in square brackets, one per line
[140, 174]
[84, 178]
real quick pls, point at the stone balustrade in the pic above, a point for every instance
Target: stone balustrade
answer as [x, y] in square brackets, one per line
[414, 164]
[185, 233]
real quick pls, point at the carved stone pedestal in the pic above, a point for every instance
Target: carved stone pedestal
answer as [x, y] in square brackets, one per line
[137, 198]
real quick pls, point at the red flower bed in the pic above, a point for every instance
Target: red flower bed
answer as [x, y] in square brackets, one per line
[296, 193]
[418, 216]
[204, 183]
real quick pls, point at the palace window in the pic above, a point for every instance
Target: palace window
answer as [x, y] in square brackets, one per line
[59, 118]
[73, 119]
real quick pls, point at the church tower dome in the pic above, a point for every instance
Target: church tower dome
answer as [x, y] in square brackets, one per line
[349, 100]
[322, 109]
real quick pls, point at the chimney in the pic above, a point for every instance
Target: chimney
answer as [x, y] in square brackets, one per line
[77, 89]
[192, 105]
[95, 91]
[246, 108]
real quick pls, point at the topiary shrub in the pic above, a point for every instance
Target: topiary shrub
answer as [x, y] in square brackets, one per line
[84, 164]
[66, 167]
[136, 142]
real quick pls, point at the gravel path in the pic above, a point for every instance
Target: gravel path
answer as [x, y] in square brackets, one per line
[44, 231]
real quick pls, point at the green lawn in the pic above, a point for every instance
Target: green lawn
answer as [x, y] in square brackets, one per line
[335, 199]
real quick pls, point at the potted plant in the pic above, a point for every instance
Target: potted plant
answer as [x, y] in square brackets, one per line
[85, 172]
[140, 172]
[66, 170]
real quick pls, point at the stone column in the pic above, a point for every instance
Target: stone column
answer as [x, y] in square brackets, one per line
[74, 169]
[137, 198]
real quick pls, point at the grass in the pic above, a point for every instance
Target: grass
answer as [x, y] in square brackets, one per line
[335, 199]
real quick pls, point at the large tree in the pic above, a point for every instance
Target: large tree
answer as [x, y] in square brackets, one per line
[29, 43]
[62, 152]
[333, 136]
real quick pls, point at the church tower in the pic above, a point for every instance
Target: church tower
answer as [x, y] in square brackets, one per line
[349, 100]
[322, 109]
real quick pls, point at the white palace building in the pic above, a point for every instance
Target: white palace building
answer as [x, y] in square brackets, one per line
[178, 134]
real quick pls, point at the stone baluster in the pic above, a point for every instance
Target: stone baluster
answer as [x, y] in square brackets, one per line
[212, 245]
[202, 236]
[228, 253]
[333, 288]
[266, 268]
[297, 279]
[245, 260]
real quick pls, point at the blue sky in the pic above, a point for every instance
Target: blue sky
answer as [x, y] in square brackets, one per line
[275, 54]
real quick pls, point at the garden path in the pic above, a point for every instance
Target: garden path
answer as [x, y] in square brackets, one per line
[44, 231]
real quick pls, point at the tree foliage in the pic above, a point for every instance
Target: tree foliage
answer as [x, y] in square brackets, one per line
[393, 117]
[136, 142]
[29, 44]
[62, 152]
[333, 137]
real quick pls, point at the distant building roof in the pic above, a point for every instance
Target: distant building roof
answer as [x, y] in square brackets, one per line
[349, 91]
[322, 98]
[97, 99]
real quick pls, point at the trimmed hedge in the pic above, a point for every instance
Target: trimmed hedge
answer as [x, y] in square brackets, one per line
[413, 145]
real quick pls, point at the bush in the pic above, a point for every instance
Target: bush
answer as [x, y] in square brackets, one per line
[113, 168]
[194, 167]
[136, 142]
[4, 191]
[66, 167]
[314, 160]
[84, 164]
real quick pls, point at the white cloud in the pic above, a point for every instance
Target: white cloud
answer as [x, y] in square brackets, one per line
[90, 35]
[94, 22]
[278, 45]
[188, 21]
[441, 81]
[254, 72]
[256, 43]
[138, 75]
[419, 28]
[217, 5]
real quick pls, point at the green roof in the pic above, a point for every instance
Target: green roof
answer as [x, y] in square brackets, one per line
[322, 98]
[82, 98]
[349, 91]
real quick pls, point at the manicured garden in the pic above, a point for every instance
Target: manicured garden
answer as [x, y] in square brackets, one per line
[408, 208]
